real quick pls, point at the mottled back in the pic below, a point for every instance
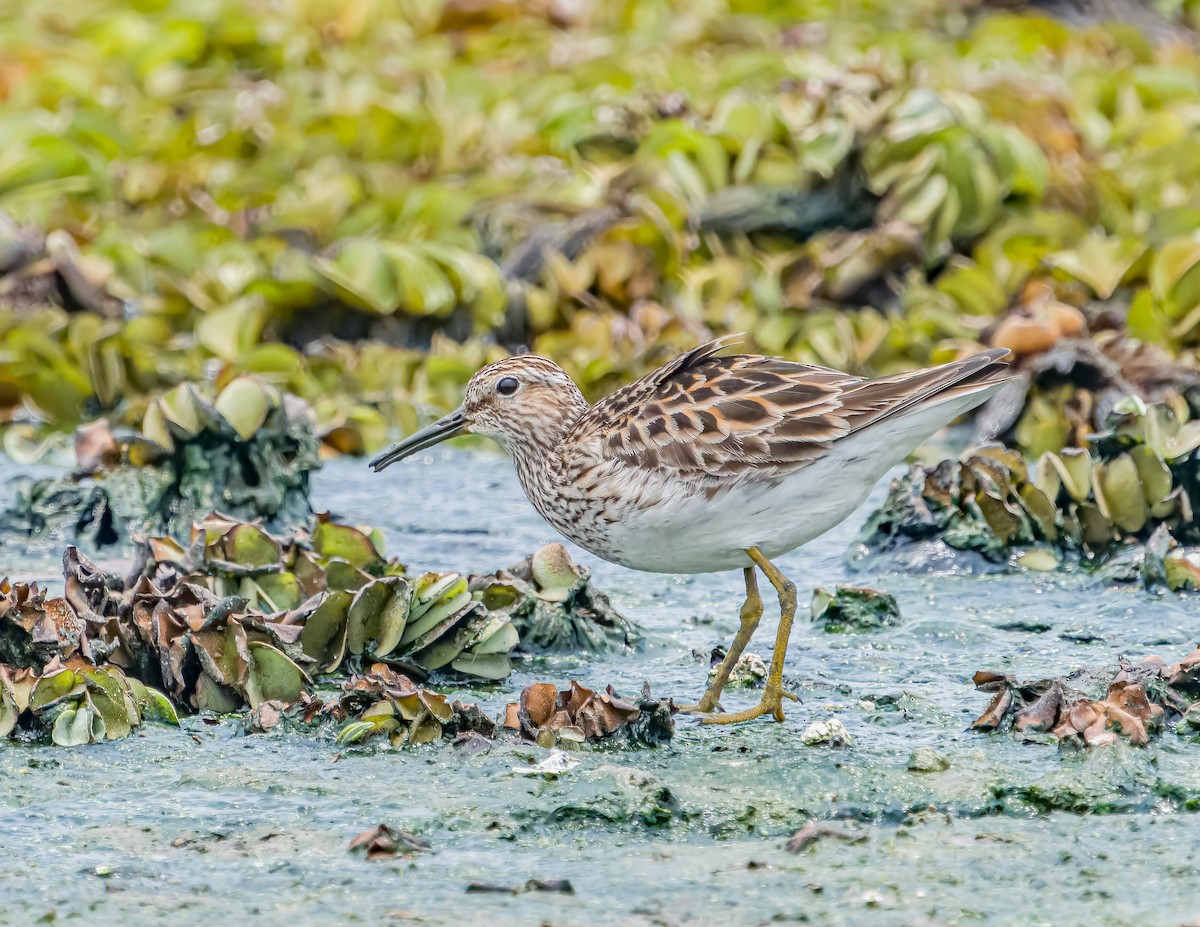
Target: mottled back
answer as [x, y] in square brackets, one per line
[721, 417]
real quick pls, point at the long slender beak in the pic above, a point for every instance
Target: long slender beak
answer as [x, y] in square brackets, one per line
[446, 427]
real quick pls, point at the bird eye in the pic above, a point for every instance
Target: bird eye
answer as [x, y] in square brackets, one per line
[507, 386]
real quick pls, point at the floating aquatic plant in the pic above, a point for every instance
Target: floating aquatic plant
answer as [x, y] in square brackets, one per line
[553, 605]
[854, 608]
[49, 684]
[333, 597]
[240, 618]
[578, 715]
[1062, 395]
[1132, 484]
[1138, 702]
[248, 450]
[382, 702]
[192, 196]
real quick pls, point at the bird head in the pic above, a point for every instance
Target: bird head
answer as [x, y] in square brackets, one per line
[523, 402]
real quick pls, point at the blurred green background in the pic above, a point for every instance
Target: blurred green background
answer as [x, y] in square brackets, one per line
[362, 201]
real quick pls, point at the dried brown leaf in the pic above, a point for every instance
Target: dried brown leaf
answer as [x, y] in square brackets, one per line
[1042, 714]
[988, 681]
[95, 446]
[994, 715]
[810, 833]
[382, 842]
[538, 703]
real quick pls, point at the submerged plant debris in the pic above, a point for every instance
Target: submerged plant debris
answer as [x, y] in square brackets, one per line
[578, 715]
[249, 451]
[750, 671]
[811, 833]
[1134, 487]
[854, 608]
[242, 619]
[382, 842]
[559, 886]
[554, 606]
[49, 681]
[1138, 702]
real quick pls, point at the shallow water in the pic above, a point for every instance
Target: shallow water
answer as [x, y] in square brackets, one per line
[207, 826]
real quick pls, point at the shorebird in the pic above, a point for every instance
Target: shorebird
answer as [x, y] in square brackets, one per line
[711, 462]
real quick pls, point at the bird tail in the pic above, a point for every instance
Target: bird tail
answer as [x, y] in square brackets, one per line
[972, 379]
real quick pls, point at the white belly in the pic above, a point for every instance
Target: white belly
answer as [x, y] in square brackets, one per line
[698, 535]
[705, 536]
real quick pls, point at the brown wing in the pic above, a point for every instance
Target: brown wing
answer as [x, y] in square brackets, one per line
[703, 414]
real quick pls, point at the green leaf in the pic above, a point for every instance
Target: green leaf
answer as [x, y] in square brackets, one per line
[1174, 261]
[1146, 320]
[73, 727]
[424, 289]
[10, 710]
[363, 617]
[1074, 468]
[824, 147]
[245, 403]
[1099, 261]
[363, 275]
[278, 592]
[1119, 493]
[1153, 474]
[920, 207]
[55, 687]
[354, 731]
[272, 676]
[250, 546]
[324, 634]
[383, 616]
[494, 666]
[346, 543]
[502, 640]
[233, 330]
[152, 704]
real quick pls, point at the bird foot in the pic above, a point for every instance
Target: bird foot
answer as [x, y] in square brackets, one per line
[709, 702]
[772, 704]
[700, 708]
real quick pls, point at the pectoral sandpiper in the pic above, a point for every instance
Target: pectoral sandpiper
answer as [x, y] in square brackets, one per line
[710, 462]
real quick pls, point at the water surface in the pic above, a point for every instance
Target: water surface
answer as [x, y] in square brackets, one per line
[207, 826]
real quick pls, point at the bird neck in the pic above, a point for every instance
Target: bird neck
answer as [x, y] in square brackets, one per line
[533, 445]
[550, 462]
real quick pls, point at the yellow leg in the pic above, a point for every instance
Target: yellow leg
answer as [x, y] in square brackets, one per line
[752, 610]
[773, 694]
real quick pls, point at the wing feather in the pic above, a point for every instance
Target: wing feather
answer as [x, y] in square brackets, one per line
[718, 417]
